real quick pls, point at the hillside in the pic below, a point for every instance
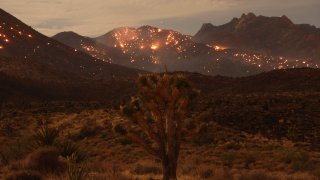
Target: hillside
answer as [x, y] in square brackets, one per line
[151, 48]
[210, 51]
[277, 36]
[38, 67]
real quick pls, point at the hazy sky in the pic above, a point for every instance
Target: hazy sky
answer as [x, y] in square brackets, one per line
[96, 17]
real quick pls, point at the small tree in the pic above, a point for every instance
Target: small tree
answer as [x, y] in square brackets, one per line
[155, 118]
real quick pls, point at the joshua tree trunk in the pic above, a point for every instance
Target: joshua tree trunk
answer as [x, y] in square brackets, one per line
[169, 169]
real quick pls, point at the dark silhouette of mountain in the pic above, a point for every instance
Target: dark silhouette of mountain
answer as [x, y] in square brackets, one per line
[74, 40]
[284, 80]
[90, 46]
[277, 36]
[44, 68]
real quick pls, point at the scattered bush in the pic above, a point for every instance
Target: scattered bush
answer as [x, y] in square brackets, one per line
[232, 146]
[256, 176]
[45, 159]
[249, 159]
[190, 124]
[298, 160]
[124, 141]
[87, 130]
[206, 174]
[146, 169]
[77, 172]
[6, 128]
[46, 136]
[68, 149]
[229, 158]
[24, 175]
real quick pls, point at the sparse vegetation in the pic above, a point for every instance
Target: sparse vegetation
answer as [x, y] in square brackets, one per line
[229, 158]
[70, 149]
[77, 172]
[299, 160]
[224, 124]
[46, 160]
[46, 136]
[24, 175]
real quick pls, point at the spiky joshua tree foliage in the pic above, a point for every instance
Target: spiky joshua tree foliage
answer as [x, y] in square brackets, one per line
[155, 116]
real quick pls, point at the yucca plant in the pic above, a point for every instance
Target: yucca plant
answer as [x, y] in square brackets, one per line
[46, 136]
[70, 149]
[76, 171]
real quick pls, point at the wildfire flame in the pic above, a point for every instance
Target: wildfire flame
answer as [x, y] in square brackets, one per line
[154, 46]
[219, 48]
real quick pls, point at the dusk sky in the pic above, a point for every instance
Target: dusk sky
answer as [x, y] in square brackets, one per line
[96, 17]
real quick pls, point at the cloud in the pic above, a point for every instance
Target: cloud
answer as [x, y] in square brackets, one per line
[58, 23]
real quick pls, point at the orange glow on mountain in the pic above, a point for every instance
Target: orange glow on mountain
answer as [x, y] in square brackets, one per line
[219, 48]
[154, 46]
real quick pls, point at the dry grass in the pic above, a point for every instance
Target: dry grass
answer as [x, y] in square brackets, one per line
[45, 160]
[231, 154]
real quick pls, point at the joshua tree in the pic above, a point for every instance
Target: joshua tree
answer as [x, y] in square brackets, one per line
[155, 118]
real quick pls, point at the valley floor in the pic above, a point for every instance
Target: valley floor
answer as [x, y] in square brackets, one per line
[214, 152]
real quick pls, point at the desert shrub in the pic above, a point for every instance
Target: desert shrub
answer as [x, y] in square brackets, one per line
[87, 130]
[203, 137]
[77, 172]
[203, 128]
[15, 151]
[45, 159]
[256, 176]
[4, 159]
[69, 148]
[124, 141]
[229, 158]
[190, 124]
[268, 148]
[46, 136]
[249, 159]
[205, 116]
[16, 165]
[206, 174]
[6, 128]
[24, 175]
[232, 146]
[146, 169]
[299, 160]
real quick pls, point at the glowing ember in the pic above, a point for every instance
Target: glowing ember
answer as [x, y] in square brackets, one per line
[1, 47]
[6, 40]
[154, 46]
[29, 35]
[219, 48]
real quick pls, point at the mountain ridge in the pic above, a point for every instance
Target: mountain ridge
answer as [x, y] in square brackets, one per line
[273, 35]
